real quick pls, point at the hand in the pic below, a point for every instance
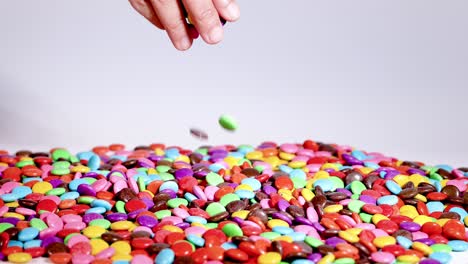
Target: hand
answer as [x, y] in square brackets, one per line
[169, 15]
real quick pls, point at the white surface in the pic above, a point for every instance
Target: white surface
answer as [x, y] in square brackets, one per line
[386, 76]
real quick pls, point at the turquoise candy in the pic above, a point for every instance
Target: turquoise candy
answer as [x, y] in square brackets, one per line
[252, 182]
[165, 256]
[228, 245]
[22, 191]
[9, 197]
[94, 162]
[283, 230]
[101, 203]
[196, 240]
[458, 245]
[325, 184]
[404, 242]
[196, 219]
[388, 199]
[393, 187]
[171, 185]
[245, 194]
[32, 243]
[28, 233]
[442, 257]
[435, 206]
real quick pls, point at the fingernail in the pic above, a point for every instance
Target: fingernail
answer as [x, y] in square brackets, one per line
[216, 35]
[184, 43]
[233, 11]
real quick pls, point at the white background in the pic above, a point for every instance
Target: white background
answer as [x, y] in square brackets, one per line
[389, 76]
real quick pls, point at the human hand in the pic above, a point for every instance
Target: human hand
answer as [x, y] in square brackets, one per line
[206, 16]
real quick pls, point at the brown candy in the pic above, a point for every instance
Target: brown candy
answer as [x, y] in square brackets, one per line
[56, 247]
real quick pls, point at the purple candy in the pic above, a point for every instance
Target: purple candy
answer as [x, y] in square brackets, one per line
[171, 193]
[368, 199]
[149, 202]
[345, 191]
[303, 221]
[87, 218]
[315, 257]
[11, 220]
[49, 240]
[155, 158]
[115, 217]
[56, 182]
[333, 241]
[283, 205]
[134, 214]
[233, 185]
[238, 220]
[318, 226]
[146, 220]
[410, 226]
[416, 171]
[184, 172]
[429, 261]
[91, 174]
[86, 190]
[268, 189]
[282, 217]
[183, 225]
[426, 241]
[2, 257]
[350, 160]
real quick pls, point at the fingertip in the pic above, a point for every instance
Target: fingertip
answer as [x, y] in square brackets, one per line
[215, 35]
[183, 44]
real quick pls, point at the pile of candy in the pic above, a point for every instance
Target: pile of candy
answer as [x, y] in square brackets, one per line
[289, 203]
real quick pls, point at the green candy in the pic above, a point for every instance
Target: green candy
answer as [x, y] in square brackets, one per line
[120, 206]
[166, 176]
[61, 154]
[211, 225]
[215, 208]
[259, 168]
[313, 242]
[355, 196]
[61, 165]
[142, 169]
[74, 159]
[162, 214]
[141, 184]
[203, 151]
[214, 179]
[100, 222]
[5, 226]
[435, 176]
[357, 187]
[230, 197]
[232, 230]
[57, 191]
[298, 182]
[90, 180]
[162, 168]
[355, 205]
[344, 261]
[337, 182]
[441, 248]
[367, 218]
[38, 224]
[23, 163]
[60, 172]
[228, 122]
[85, 199]
[270, 235]
[176, 202]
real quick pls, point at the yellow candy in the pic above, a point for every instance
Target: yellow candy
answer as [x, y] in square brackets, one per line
[328, 259]
[12, 204]
[310, 183]
[254, 155]
[348, 236]
[422, 219]
[465, 220]
[125, 257]
[378, 217]
[442, 221]
[183, 158]
[174, 229]
[3, 164]
[277, 222]
[401, 179]
[15, 215]
[269, 258]
[150, 193]
[321, 175]
[284, 238]
[25, 158]
[42, 187]
[410, 259]
[80, 168]
[383, 241]
[97, 245]
[420, 197]
[333, 208]
[231, 161]
[241, 214]
[297, 164]
[333, 166]
[273, 161]
[409, 211]
[423, 248]
[94, 231]
[122, 247]
[286, 194]
[244, 187]
[355, 231]
[152, 171]
[399, 162]
[159, 152]
[366, 170]
[443, 183]
[121, 225]
[307, 194]
[19, 257]
[197, 224]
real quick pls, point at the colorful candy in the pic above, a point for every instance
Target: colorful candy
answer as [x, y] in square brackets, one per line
[289, 203]
[228, 122]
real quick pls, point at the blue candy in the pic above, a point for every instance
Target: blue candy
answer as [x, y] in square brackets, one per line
[393, 187]
[245, 194]
[252, 182]
[32, 243]
[171, 185]
[94, 162]
[388, 199]
[228, 245]
[442, 257]
[165, 256]
[458, 245]
[325, 184]
[283, 230]
[28, 233]
[404, 242]
[196, 240]
[196, 219]
[435, 206]
[101, 203]
[70, 196]
[97, 210]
